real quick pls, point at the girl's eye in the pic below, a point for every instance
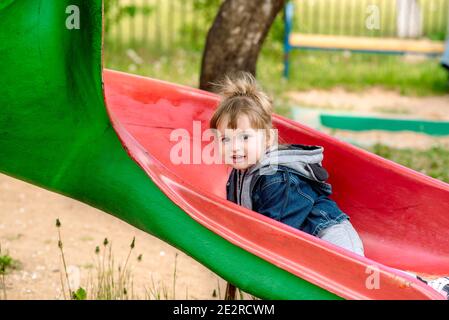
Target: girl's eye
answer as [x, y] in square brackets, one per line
[246, 136]
[224, 139]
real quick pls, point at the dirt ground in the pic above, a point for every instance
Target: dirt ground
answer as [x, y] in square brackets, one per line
[28, 214]
[375, 101]
[379, 102]
[28, 234]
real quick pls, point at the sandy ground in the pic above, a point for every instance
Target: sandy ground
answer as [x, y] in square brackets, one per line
[379, 102]
[375, 101]
[399, 139]
[28, 233]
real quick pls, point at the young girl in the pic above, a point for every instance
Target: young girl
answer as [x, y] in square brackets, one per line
[284, 182]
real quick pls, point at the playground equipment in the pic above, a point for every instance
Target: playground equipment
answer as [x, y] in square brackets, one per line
[103, 137]
[364, 122]
[359, 44]
[445, 59]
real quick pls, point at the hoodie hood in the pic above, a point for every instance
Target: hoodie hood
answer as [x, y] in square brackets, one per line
[305, 160]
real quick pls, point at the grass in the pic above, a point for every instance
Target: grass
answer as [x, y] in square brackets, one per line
[322, 70]
[112, 281]
[433, 162]
[354, 72]
[7, 263]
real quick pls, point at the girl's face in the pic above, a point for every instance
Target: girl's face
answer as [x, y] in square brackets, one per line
[241, 147]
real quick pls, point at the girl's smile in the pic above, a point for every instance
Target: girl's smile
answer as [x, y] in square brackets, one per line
[243, 146]
[238, 159]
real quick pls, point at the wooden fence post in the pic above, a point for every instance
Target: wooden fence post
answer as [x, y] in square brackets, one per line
[408, 19]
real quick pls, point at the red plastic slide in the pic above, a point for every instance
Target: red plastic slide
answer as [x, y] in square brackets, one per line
[401, 215]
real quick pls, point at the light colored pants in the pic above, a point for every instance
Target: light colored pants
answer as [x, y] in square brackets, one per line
[343, 235]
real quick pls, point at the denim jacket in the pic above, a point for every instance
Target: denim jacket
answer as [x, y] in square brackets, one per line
[289, 188]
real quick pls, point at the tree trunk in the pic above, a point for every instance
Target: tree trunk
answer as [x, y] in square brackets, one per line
[233, 44]
[234, 41]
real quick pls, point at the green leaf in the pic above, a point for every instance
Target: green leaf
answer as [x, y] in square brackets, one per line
[80, 294]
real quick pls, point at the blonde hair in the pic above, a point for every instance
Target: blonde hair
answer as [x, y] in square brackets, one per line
[241, 95]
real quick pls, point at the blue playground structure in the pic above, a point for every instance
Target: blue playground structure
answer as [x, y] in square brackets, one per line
[360, 44]
[445, 59]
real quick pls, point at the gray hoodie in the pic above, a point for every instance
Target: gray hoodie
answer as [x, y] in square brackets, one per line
[303, 159]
